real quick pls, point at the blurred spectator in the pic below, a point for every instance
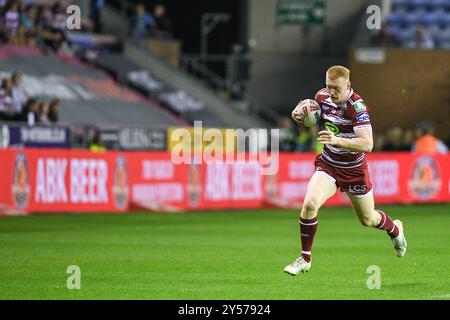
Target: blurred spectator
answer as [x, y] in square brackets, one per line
[6, 101]
[317, 146]
[426, 143]
[95, 14]
[96, 144]
[408, 140]
[18, 93]
[53, 114]
[305, 140]
[379, 141]
[422, 39]
[29, 112]
[43, 112]
[53, 24]
[11, 21]
[385, 37]
[287, 135]
[141, 23]
[29, 25]
[163, 25]
[393, 140]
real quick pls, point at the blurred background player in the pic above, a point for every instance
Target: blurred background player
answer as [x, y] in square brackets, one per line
[342, 165]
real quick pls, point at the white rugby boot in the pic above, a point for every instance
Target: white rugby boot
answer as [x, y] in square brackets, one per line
[299, 265]
[399, 242]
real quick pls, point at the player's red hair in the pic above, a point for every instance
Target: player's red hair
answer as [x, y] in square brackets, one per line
[336, 72]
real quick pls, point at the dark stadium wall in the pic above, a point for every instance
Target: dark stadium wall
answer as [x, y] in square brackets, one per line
[288, 62]
[404, 88]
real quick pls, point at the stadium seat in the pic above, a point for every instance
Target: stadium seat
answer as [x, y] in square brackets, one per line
[400, 2]
[443, 37]
[400, 5]
[429, 18]
[435, 30]
[405, 34]
[412, 18]
[395, 18]
[437, 4]
[446, 19]
[415, 5]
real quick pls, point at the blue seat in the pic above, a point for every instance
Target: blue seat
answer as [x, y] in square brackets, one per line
[415, 5]
[443, 17]
[405, 34]
[435, 30]
[412, 18]
[400, 5]
[429, 18]
[437, 4]
[395, 18]
[400, 2]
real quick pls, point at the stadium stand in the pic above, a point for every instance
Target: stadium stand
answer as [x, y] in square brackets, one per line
[88, 96]
[420, 23]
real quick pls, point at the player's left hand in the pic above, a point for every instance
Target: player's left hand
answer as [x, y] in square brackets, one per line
[327, 137]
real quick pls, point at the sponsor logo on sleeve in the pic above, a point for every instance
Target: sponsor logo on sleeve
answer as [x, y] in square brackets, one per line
[363, 117]
[359, 107]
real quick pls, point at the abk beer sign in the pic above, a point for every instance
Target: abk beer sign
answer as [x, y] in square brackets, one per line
[69, 180]
[88, 180]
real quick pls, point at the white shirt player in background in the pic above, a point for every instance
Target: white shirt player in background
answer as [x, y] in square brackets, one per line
[348, 135]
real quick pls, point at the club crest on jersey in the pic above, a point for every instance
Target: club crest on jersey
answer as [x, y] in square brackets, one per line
[332, 127]
[359, 107]
[363, 117]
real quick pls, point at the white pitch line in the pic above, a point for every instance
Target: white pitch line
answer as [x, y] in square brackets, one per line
[442, 296]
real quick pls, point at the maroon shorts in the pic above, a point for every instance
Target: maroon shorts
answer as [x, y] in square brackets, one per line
[353, 180]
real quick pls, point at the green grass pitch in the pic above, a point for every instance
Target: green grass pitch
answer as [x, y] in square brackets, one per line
[222, 255]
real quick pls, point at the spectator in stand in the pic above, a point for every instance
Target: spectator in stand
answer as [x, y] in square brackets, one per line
[6, 101]
[422, 39]
[305, 140]
[408, 140]
[287, 135]
[317, 146]
[141, 23]
[53, 27]
[96, 10]
[29, 25]
[426, 143]
[163, 25]
[43, 113]
[18, 93]
[53, 114]
[379, 141]
[96, 144]
[393, 140]
[385, 37]
[11, 21]
[29, 112]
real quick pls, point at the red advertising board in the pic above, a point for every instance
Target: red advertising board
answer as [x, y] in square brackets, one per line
[396, 178]
[37, 180]
[41, 180]
[156, 182]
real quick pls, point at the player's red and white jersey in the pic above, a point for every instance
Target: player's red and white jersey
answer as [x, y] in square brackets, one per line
[343, 120]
